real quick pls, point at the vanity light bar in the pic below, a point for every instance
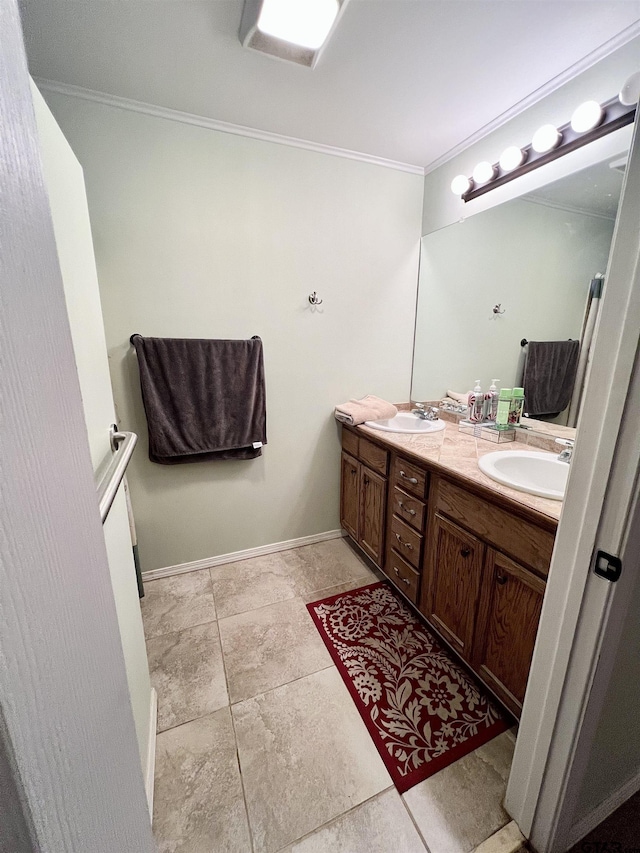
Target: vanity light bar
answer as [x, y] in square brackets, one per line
[614, 116]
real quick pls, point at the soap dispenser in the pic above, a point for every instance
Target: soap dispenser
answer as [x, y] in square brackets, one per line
[476, 403]
[491, 398]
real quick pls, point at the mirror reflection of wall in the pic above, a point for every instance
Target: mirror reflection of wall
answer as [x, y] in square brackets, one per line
[535, 256]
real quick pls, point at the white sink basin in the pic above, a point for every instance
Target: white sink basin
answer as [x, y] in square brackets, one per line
[536, 473]
[406, 422]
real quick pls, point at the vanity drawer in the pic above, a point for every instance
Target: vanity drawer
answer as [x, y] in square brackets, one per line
[350, 442]
[409, 478]
[373, 456]
[403, 576]
[516, 537]
[408, 508]
[406, 541]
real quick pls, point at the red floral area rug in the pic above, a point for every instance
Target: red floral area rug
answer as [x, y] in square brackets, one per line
[421, 708]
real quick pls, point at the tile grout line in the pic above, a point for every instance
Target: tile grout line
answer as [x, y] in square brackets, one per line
[296, 595]
[286, 684]
[334, 819]
[414, 822]
[233, 724]
[179, 630]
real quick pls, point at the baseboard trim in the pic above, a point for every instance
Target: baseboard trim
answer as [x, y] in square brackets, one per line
[603, 811]
[151, 749]
[236, 556]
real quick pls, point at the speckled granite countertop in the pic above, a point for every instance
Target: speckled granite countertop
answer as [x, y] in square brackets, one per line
[457, 454]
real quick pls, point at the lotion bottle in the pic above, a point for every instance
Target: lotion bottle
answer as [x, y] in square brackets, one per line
[516, 406]
[491, 398]
[504, 403]
[476, 403]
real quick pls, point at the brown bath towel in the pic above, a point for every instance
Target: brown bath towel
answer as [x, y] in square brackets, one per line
[549, 376]
[204, 399]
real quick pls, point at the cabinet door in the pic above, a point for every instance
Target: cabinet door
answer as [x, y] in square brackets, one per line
[372, 513]
[350, 495]
[452, 587]
[507, 626]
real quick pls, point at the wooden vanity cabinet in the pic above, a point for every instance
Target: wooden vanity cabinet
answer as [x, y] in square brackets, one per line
[363, 494]
[350, 495]
[452, 579]
[373, 494]
[508, 616]
[472, 566]
[484, 603]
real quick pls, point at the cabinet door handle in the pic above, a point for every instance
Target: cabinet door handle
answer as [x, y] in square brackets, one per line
[366, 481]
[501, 579]
[408, 478]
[464, 552]
[404, 544]
[354, 471]
[404, 580]
[408, 511]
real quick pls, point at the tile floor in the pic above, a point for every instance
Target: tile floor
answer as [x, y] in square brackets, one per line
[260, 748]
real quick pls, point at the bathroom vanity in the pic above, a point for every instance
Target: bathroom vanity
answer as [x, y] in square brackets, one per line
[471, 555]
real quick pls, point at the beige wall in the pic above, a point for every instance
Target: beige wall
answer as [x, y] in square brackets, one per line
[66, 190]
[204, 234]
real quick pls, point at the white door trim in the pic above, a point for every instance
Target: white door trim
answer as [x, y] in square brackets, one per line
[577, 603]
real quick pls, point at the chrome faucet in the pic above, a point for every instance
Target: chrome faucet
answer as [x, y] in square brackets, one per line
[430, 414]
[566, 454]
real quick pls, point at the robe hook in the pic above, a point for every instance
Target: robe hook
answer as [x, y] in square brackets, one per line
[313, 299]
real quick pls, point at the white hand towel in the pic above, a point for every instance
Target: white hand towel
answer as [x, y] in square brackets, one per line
[460, 398]
[369, 408]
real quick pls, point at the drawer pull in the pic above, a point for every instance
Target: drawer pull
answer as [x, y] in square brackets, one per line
[404, 544]
[501, 579]
[404, 580]
[408, 479]
[464, 552]
[408, 511]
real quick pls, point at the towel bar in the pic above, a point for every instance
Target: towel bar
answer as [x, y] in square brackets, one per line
[122, 444]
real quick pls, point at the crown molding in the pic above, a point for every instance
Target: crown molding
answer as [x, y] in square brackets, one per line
[531, 198]
[584, 64]
[221, 126]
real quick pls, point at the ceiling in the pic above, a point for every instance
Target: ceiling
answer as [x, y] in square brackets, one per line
[404, 80]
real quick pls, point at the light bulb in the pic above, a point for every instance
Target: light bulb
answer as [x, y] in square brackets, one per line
[511, 158]
[460, 185]
[545, 138]
[483, 172]
[630, 92]
[587, 116]
[306, 24]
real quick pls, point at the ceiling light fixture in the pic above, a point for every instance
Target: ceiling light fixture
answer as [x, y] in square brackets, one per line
[545, 138]
[483, 172]
[303, 23]
[589, 122]
[295, 30]
[587, 116]
[511, 158]
[461, 184]
[630, 92]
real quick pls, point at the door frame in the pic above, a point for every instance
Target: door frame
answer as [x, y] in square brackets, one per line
[581, 611]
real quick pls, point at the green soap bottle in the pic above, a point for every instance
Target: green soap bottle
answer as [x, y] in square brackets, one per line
[504, 404]
[516, 407]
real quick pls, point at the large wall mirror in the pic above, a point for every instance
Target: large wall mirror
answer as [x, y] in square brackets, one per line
[536, 257]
